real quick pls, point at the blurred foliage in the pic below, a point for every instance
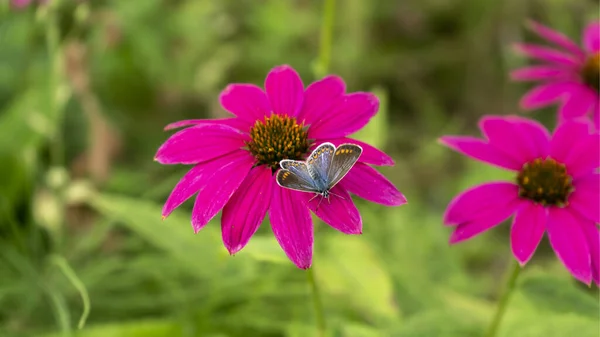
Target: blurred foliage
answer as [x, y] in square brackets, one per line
[87, 86]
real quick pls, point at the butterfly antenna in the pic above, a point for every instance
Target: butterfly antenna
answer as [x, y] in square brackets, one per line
[337, 195]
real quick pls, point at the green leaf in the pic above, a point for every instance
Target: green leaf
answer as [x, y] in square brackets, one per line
[560, 295]
[353, 271]
[440, 324]
[266, 248]
[203, 251]
[550, 326]
[154, 328]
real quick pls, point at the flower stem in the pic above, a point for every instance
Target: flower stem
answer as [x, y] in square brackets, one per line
[509, 287]
[318, 304]
[326, 39]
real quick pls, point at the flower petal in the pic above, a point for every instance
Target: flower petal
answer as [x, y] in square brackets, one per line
[285, 90]
[578, 103]
[480, 150]
[246, 209]
[247, 101]
[233, 122]
[485, 221]
[592, 234]
[545, 94]
[292, 225]
[320, 97]
[543, 72]
[585, 157]
[513, 136]
[220, 184]
[591, 37]
[200, 143]
[367, 183]
[527, 230]
[549, 55]
[556, 37]
[565, 138]
[596, 116]
[338, 212]
[569, 243]
[370, 154]
[477, 200]
[349, 115]
[585, 199]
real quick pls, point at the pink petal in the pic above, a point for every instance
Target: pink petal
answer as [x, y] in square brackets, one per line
[247, 101]
[584, 157]
[321, 97]
[591, 37]
[370, 154]
[349, 115]
[292, 225]
[585, 199]
[578, 103]
[545, 94]
[565, 138]
[549, 55]
[246, 209]
[539, 135]
[592, 234]
[367, 183]
[218, 189]
[513, 136]
[199, 144]
[527, 230]
[596, 116]
[544, 72]
[338, 212]
[480, 150]
[485, 221]
[285, 90]
[556, 37]
[476, 201]
[195, 179]
[569, 243]
[233, 122]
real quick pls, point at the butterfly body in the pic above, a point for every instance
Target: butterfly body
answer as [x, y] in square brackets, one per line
[321, 171]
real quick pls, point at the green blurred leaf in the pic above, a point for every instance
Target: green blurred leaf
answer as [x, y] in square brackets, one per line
[354, 271]
[550, 326]
[174, 234]
[440, 324]
[559, 295]
[155, 328]
[266, 248]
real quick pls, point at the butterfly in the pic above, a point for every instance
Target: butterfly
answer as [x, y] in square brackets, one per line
[321, 171]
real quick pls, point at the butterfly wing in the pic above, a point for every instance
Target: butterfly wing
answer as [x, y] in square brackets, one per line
[294, 175]
[319, 164]
[344, 158]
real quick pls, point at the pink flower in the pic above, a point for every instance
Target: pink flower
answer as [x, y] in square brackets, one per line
[556, 190]
[235, 161]
[570, 74]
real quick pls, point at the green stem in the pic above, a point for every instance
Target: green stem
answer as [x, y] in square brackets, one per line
[322, 66]
[509, 287]
[318, 304]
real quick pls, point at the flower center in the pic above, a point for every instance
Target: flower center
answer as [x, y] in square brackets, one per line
[276, 138]
[545, 181]
[590, 72]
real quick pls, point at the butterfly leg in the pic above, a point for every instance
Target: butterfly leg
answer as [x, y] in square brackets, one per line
[337, 195]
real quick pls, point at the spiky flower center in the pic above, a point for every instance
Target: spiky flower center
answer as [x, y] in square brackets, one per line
[545, 181]
[590, 73]
[276, 138]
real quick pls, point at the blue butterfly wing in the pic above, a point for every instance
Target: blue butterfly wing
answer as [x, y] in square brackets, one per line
[294, 175]
[345, 156]
[319, 164]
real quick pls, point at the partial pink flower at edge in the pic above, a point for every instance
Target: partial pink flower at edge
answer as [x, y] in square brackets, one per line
[556, 190]
[235, 160]
[567, 74]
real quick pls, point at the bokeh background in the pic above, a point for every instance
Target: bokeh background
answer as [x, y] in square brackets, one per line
[86, 88]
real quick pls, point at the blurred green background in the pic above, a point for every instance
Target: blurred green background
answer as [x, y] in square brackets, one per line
[86, 88]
